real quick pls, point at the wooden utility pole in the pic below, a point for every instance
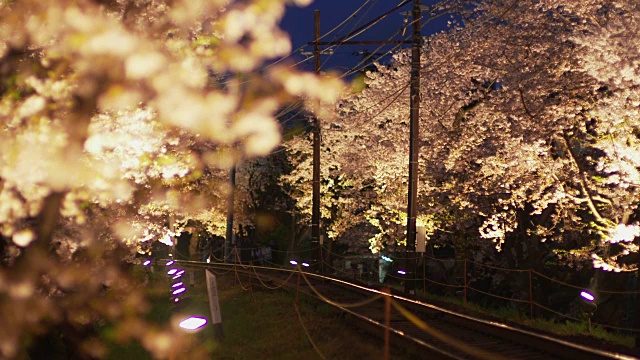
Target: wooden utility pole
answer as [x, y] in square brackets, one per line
[414, 114]
[315, 206]
[315, 210]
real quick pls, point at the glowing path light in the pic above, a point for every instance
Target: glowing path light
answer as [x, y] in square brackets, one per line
[177, 284]
[170, 262]
[172, 271]
[147, 263]
[293, 262]
[305, 264]
[179, 291]
[193, 323]
[402, 272]
[180, 273]
[587, 296]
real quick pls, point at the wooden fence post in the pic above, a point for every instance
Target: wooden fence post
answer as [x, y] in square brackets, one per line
[530, 297]
[465, 281]
[424, 274]
[387, 321]
[298, 287]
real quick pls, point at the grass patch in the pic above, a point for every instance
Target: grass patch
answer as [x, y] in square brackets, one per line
[264, 325]
[258, 324]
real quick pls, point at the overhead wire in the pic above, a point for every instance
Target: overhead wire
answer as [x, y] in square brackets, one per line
[364, 63]
[354, 25]
[300, 103]
[353, 14]
[360, 66]
[367, 26]
[301, 47]
[397, 93]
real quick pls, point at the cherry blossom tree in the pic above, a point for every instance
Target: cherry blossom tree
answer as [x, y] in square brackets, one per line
[528, 123]
[115, 115]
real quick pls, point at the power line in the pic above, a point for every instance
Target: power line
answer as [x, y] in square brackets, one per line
[354, 25]
[368, 25]
[351, 16]
[348, 18]
[361, 29]
[360, 66]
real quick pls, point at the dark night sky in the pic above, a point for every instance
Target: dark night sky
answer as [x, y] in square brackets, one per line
[299, 22]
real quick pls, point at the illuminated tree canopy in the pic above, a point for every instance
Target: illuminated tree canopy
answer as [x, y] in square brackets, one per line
[529, 115]
[116, 115]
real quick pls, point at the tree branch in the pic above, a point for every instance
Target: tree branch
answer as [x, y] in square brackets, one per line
[583, 182]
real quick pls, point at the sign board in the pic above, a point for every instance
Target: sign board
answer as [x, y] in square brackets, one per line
[214, 304]
[421, 239]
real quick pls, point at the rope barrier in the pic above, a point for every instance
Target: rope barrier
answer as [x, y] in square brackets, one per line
[220, 272]
[334, 303]
[338, 270]
[235, 268]
[498, 296]
[272, 264]
[403, 278]
[443, 284]
[221, 260]
[443, 337]
[335, 254]
[315, 248]
[580, 320]
[436, 259]
[582, 287]
[425, 279]
[315, 347]
[285, 282]
[496, 267]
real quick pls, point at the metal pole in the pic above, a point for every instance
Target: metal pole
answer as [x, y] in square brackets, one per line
[315, 211]
[230, 200]
[414, 136]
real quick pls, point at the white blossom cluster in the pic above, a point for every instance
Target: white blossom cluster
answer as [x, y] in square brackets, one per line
[529, 123]
[115, 116]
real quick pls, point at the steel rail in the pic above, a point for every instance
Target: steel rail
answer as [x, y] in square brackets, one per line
[491, 336]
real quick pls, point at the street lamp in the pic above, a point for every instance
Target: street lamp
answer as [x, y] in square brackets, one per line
[588, 305]
[179, 291]
[587, 296]
[193, 323]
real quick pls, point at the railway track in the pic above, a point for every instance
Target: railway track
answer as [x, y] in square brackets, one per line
[422, 329]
